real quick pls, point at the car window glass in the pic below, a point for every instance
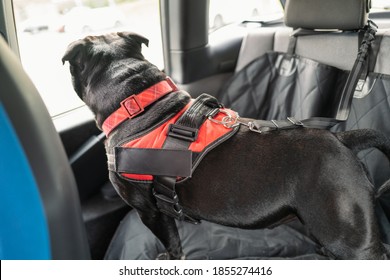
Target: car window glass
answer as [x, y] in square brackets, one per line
[46, 27]
[380, 5]
[224, 12]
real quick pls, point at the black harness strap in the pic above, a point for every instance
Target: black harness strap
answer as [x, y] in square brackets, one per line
[180, 136]
[356, 72]
[261, 126]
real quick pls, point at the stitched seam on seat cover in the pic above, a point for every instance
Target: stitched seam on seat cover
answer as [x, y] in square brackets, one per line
[385, 98]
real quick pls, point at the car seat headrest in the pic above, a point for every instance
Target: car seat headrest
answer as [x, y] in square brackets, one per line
[327, 14]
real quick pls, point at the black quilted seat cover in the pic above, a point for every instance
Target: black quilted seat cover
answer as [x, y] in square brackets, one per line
[211, 241]
[279, 85]
[371, 109]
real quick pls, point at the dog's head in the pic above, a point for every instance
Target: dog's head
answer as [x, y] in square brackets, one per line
[93, 53]
[106, 69]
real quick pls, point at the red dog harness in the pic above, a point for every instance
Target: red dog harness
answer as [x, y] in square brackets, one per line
[207, 134]
[173, 149]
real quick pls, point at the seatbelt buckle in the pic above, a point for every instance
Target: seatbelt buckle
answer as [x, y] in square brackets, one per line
[183, 132]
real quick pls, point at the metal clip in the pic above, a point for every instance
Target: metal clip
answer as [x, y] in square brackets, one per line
[253, 128]
[228, 121]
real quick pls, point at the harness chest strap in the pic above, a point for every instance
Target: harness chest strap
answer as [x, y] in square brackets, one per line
[180, 136]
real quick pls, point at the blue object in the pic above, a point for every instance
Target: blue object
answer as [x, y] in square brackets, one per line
[23, 226]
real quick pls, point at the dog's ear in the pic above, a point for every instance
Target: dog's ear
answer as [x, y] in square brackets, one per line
[134, 37]
[74, 53]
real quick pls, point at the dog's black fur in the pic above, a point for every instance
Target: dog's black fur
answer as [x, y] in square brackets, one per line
[250, 181]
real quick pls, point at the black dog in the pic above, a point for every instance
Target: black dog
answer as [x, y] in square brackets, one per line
[250, 181]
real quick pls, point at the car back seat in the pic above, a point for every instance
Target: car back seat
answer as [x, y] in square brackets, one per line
[338, 49]
[335, 49]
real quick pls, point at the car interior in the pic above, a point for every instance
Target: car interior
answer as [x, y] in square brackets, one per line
[80, 216]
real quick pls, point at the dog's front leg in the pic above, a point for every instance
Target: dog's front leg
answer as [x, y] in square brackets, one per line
[165, 229]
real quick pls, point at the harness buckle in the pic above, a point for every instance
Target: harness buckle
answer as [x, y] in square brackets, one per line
[183, 132]
[133, 106]
[171, 84]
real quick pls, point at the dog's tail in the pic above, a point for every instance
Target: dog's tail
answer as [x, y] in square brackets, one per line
[359, 140]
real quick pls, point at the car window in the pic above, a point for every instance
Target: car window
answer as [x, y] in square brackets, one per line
[380, 5]
[224, 12]
[46, 27]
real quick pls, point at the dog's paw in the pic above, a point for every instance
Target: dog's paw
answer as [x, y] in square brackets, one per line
[163, 256]
[166, 256]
